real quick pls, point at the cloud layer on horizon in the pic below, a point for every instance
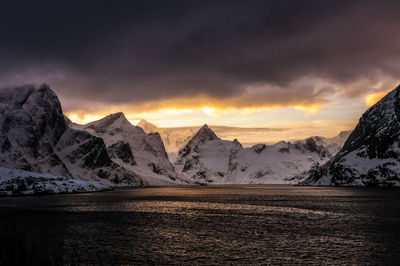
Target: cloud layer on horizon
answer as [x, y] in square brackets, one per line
[230, 54]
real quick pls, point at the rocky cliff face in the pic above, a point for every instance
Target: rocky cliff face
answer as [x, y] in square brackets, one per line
[371, 154]
[35, 136]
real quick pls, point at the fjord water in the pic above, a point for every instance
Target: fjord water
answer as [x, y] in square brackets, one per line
[210, 225]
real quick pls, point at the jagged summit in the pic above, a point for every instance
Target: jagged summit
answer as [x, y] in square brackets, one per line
[203, 135]
[115, 116]
[237, 143]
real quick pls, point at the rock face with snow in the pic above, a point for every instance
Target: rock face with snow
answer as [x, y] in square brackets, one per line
[35, 136]
[208, 159]
[325, 147]
[371, 154]
[19, 182]
[138, 152]
[173, 138]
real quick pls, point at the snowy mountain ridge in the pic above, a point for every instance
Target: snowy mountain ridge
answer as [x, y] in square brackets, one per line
[176, 138]
[209, 159]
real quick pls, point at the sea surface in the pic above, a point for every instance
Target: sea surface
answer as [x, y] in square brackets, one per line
[263, 224]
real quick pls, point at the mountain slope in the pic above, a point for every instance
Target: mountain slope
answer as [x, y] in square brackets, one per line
[34, 136]
[135, 150]
[371, 154]
[208, 159]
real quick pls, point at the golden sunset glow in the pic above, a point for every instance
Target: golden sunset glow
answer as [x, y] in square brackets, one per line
[373, 98]
[81, 118]
[291, 121]
[187, 105]
[309, 109]
[151, 110]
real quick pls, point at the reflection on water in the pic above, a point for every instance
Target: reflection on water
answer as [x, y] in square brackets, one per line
[218, 225]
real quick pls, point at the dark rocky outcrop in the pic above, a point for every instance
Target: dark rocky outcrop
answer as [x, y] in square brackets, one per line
[121, 150]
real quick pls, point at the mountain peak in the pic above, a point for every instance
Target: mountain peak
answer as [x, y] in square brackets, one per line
[19, 96]
[118, 115]
[205, 133]
[44, 87]
[112, 118]
[116, 120]
[147, 126]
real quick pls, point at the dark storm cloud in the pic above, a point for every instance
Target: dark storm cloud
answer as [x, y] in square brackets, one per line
[131, 51]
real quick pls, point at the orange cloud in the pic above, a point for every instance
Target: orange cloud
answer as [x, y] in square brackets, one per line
[309, 109]
[373, 98]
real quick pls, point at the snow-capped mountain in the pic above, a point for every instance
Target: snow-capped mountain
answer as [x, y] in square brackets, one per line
[35, 137]
[371, 154]
[135, 150]
[208, 159]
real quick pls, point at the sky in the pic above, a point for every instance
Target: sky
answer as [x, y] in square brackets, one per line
[309, 66]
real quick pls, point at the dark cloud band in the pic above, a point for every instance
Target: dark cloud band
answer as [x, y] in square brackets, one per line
[132, 52]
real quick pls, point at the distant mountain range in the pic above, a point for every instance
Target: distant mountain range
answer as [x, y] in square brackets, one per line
[35, 136]
[175, 138]
[208, 159]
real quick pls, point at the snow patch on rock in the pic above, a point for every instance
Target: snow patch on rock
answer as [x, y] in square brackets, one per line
[19, 182]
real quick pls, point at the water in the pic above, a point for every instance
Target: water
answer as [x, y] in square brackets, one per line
[212, 225]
